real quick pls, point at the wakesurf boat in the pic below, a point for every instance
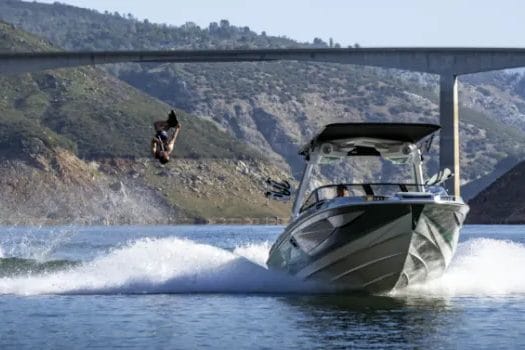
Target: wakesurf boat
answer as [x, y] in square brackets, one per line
[370, 236]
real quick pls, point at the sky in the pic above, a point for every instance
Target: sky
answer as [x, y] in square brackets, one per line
[371, 23]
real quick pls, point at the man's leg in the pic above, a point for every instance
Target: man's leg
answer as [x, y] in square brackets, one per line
[173, 138]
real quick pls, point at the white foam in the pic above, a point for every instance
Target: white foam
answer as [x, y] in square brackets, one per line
[31, 245]
[481, 267]
[168, 265]
[257, 253]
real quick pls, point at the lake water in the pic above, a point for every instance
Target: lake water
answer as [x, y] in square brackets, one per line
[187, 287]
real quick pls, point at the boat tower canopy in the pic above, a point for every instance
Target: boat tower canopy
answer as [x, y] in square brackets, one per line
[373, 136]
[395, 142]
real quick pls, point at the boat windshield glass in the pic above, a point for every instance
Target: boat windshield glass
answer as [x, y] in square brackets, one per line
[358, 170]
[363, 192]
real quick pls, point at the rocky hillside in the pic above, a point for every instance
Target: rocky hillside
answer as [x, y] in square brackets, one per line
[276, 106]
[72, 148]
[60, 188]
[503, 201]
[209, 190]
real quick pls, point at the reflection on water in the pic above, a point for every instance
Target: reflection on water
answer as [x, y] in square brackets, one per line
[380, 321]
[409, 321]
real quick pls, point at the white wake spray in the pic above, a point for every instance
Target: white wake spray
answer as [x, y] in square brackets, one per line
[482, 267]
[28, 244]
[167, 265]
[255, 252]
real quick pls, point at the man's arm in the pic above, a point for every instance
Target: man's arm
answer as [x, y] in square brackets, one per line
[173, 138]
[153, 147]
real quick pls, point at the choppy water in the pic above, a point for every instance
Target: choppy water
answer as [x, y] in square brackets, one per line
[207, 286]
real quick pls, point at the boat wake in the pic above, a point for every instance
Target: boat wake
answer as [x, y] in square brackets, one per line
[165, 265]
[172, 265]
[481, 267]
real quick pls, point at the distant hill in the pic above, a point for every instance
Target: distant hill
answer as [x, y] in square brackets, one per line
[502, 202]
[75, 27]
[275, 107]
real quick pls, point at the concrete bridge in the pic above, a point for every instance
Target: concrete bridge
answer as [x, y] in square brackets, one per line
[448, 63]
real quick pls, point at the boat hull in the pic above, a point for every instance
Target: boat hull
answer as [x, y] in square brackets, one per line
[371, 247]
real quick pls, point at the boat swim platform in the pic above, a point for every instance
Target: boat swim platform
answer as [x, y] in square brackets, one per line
[448, 63]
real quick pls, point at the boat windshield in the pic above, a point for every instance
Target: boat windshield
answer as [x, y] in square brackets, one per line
[371, 191]
[358, 170]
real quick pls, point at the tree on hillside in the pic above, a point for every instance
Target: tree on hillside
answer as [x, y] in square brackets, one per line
[318, 42]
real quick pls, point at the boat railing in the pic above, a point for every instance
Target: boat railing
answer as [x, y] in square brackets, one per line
[367, 191]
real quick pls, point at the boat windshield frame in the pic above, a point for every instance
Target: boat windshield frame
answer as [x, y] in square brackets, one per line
[368, 192]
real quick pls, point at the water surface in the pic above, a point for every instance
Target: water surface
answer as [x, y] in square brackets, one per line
[207, 286]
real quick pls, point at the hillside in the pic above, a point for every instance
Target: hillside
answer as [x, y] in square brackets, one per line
[73, 107]
[65, 134]
[63, 189]
[76, 27]
[276, 106]
[501, 202]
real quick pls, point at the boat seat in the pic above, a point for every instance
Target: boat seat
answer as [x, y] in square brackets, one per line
[368, 189]
[415, 195]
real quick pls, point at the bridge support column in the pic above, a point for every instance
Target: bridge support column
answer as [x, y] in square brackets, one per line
[449, 134]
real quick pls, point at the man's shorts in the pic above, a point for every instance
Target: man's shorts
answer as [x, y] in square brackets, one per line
[162, 135]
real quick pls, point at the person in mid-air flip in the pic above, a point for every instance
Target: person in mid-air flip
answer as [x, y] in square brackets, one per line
[163, 143]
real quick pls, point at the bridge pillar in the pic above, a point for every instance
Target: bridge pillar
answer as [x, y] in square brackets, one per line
[449, 134]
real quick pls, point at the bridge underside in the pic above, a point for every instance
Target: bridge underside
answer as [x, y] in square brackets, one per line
[447, 62]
